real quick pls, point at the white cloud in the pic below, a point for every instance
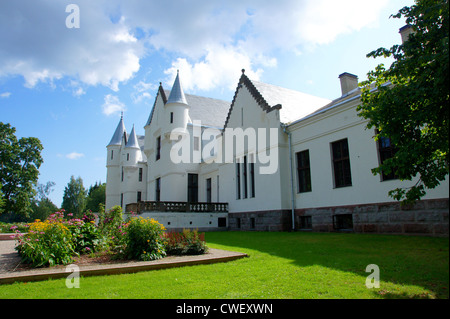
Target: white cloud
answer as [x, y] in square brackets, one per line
[141, 91]
[74, 155]
[5, 95]
[212, 40]
[37, 44]
[220, 68]
[112, 105]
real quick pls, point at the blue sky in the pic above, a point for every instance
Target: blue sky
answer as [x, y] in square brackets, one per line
[67, 86]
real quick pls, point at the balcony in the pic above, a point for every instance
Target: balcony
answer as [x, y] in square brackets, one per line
[176, 207]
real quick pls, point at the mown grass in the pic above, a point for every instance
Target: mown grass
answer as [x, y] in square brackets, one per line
[280, 266]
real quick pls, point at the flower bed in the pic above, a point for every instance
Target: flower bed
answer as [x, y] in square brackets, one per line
[61, 238]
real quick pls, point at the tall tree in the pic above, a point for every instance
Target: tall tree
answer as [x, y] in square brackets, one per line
[96, 196]
[74, 198]
[19, 169]
[411, 102]
[42, 206]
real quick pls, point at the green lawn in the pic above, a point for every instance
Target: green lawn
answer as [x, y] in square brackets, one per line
[281, 265]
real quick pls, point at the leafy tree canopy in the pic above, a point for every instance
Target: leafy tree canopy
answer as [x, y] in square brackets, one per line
[20, 160]
[74, 198]
[410, 104]
[96, 196]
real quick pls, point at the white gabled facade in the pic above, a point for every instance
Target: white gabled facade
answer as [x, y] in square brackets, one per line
[321, 153]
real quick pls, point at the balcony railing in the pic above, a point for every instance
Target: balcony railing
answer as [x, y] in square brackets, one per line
[177, 207]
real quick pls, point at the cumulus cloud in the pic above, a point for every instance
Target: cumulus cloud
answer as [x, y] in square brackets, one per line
[220, 68]
[37, 44]
[5, 95]
[211, 41]
[112, 105]
[74, 155]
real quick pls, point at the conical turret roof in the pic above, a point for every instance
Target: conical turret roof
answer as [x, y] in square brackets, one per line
[118, 134]
[177, 94]
[132, 140]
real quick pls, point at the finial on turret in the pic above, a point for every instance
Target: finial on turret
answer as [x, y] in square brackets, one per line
[121, 115]
[243, 71]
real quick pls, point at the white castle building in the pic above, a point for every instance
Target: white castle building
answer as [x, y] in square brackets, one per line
[296, 162]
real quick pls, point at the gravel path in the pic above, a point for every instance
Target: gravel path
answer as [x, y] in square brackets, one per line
[9, 257]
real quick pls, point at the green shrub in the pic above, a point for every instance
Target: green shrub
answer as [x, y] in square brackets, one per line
[46, 243]
[86, 237]
[186, 243]
[144, 239]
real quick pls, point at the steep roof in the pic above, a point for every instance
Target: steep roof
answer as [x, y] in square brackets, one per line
[132, 140]
[177, 94]
[211, 112]
[293, 105]
[118, 134]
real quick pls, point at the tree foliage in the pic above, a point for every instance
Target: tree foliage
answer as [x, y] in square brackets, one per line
[42, 207]
[96, 196]
[74, 198]
[410, 104]
[20, 160]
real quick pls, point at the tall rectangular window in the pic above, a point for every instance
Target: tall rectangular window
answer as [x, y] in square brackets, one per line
[121, 200]
[140, 174]
[158, 147]
[252, 177]
[238, 180]
[303, 172]
[218, 188]
[386, 150]
[244, 181]
[121, 178]
[341, 164]
[193, 188]
[208, 190]
[112, 154]
[139, 196]
[171, 117]
[196, 143]
[158, 190]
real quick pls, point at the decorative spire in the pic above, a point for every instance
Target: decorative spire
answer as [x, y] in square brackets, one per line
[177, 94]
[118, 134]
[132, 141]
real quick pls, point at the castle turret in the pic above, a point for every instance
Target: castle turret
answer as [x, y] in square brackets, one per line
[132, 149]
[176, 108]
[113, 174]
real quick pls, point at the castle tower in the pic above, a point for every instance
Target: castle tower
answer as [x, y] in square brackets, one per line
[133, 188]
[176, 108]
[113, 175]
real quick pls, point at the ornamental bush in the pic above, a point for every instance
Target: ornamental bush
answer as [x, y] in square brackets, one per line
[186, 243]
[86, 237]
[144, 239]
[46, 244]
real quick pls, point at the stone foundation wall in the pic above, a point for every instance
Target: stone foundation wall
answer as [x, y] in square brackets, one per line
[427, 217]
[277, 220]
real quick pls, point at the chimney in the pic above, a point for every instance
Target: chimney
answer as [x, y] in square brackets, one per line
[348, 82]
[405, 32]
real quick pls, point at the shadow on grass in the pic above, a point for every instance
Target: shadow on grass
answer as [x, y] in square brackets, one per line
[404, 260]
